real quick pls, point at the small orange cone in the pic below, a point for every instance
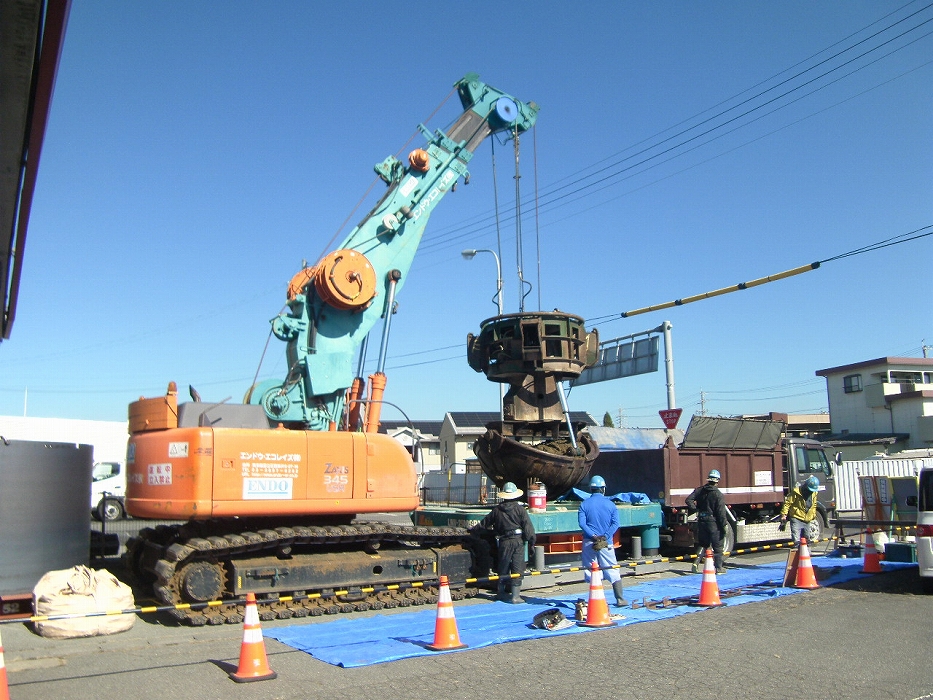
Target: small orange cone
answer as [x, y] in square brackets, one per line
[446, 636]
[253, 663]
[872, 561]
[709, 589]
[4, 688]
[806, 578]
[597, 609]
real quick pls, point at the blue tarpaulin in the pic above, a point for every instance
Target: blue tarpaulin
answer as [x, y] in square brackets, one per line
[633, 498]
[388, 637]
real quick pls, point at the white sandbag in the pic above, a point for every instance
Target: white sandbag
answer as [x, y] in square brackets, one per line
[81, 590]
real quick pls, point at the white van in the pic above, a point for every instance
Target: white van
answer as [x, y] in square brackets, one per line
[925, 524]
[108, 487]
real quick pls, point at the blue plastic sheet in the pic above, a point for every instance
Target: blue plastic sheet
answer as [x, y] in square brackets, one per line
[388, 637]
[632, 497]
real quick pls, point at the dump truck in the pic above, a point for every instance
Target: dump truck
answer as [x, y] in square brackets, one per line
[758, 467]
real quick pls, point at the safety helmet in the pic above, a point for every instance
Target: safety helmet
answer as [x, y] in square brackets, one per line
[510, 491]
[597, 482]
[714, 475]
[813, 484]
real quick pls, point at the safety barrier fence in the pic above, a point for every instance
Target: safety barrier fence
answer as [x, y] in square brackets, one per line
[473, 581]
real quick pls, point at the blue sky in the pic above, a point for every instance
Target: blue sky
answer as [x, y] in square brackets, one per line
[197, 153]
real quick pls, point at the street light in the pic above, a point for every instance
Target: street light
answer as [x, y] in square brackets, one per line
[469, 255]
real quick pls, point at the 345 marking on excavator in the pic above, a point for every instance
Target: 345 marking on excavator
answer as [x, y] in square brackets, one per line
[336, 478]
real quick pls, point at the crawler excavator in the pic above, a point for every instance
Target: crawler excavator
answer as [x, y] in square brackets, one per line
[268, 491]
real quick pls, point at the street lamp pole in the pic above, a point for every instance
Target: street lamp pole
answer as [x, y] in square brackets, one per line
[469, 254]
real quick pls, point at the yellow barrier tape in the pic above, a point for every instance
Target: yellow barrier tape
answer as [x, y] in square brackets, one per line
[399, 586]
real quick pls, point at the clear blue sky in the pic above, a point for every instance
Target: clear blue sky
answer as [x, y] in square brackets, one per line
[197, 153]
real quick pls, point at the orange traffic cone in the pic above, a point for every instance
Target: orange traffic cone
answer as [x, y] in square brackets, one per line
[872, 561]
[446, 636]
[4, 688]
[597, 609]
[253, 663]
[709, 589]
[806, 578]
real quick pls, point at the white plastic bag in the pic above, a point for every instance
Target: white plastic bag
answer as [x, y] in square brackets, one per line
[81, 590]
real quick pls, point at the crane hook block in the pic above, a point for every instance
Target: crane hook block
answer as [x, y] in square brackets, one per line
[345, 279]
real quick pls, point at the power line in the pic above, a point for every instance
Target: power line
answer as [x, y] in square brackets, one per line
[550, 196]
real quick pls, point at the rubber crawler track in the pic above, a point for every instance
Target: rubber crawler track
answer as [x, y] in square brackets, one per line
[164, 552]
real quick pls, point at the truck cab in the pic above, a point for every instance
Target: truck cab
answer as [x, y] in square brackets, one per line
[804, 458]
[108, 488]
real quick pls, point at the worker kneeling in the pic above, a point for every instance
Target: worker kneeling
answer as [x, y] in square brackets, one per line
[599, 520]
[513, 529]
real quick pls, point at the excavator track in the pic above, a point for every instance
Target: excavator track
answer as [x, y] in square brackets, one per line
[198, 562]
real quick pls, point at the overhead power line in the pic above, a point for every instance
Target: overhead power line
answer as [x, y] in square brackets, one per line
[894, 240]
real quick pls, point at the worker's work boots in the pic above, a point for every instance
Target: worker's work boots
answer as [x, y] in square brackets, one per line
[621, 602]
[517, 591]
[502, 593]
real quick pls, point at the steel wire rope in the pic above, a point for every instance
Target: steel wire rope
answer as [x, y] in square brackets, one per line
[495, 199]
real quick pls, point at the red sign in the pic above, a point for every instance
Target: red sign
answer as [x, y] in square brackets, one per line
[670, 417]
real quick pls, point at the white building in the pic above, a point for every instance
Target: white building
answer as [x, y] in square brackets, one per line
[884, 404]
[108, 438]
[420, 438]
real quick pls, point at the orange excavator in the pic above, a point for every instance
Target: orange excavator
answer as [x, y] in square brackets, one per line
[269, 491]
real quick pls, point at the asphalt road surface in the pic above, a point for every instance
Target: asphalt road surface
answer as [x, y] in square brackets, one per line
[868, 640]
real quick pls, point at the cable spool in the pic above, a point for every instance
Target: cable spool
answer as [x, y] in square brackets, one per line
[345, 279]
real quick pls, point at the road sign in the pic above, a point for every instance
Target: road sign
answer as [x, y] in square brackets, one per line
[670, 416]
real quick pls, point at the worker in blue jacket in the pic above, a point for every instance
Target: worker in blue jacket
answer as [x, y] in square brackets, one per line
[599, 520]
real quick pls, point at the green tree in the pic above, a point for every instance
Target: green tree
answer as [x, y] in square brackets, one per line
[607, 421]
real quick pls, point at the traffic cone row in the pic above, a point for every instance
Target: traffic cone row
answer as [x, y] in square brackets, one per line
[597, 609]
[806, 577]
[4, 688]
[872, 561]
[253, 664]
[709, 589]
[446, 636]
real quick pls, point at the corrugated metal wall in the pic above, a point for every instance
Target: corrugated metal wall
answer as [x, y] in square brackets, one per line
[848, 494]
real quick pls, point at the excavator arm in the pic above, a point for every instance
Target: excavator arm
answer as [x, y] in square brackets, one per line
[332, 306]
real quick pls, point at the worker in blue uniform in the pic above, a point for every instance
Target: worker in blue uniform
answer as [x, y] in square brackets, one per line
[513, 529]
[599, 520]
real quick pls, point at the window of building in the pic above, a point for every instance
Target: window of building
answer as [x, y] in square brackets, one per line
[852, 383]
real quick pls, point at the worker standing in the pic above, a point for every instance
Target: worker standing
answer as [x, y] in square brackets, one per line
[712, 521]
[800, 508]
[599, 520]
[510, 523]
